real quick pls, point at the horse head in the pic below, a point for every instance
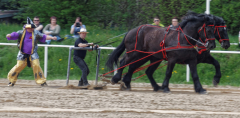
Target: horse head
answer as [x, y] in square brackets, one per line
[220, 32]
[200, 26]
[206, 32]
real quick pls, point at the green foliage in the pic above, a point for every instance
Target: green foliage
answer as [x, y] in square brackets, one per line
[65, 11]
[166, 9]
[115, 16]
[228, 10]
[122, 13]
[9, 5]
[58, 59]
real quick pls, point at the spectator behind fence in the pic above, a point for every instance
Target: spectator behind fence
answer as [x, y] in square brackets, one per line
[174, 23]
[75, 28]
[156, 21]
[52, 29]
[37, 23]
[79, 56]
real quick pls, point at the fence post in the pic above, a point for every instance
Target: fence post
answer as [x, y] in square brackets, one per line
[45, 60]
[97, 70]
[69, 62]
[187, 73]
[207, 6]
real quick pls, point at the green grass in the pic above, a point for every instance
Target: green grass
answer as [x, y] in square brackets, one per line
[230, 66]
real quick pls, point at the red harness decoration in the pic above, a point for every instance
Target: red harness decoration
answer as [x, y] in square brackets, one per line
[203, 27]
[216, 29]
[163, 50]
[162, 44]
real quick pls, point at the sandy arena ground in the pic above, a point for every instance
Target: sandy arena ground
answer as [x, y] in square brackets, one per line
[28, 100]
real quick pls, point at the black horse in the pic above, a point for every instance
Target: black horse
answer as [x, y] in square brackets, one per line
[221, 35]
[154, 44]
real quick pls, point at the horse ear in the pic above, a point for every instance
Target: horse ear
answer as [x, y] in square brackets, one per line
[206, 18]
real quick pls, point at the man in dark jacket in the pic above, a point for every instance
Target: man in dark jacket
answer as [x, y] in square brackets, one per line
[79, 56]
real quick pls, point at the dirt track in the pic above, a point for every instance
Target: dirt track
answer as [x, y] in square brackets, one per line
[27, 99]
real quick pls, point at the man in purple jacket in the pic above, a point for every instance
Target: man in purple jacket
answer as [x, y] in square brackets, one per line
[27, 55]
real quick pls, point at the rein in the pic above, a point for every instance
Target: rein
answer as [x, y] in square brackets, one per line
[163, 50]
[203, 27]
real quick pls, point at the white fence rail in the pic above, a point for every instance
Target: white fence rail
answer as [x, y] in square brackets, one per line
[46, 51]
[212, 51]
[107, 48]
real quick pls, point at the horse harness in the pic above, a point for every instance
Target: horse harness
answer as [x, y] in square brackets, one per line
[164, 49]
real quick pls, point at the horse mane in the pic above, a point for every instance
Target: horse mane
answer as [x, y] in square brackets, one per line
[218, 20]
[191, 16]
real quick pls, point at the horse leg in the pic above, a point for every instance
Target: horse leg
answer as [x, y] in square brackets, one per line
[126, 60]
[149, 72]
[118, 76]
[197, 85]
[218, 75]
[171, 64]
[127, 78]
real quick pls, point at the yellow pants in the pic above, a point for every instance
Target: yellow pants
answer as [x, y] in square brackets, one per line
[37, 71]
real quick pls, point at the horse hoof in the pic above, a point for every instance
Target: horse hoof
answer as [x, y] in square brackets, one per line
[127, 89]
[124, 88]
[203, 92]
[166, 91]
[215, 84]
[158, 89]
[112, 82]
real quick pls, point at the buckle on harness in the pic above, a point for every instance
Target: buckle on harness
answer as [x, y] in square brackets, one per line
[206, 44]
[196, 48]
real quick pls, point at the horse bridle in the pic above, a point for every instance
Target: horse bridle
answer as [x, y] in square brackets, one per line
[216, 29]
[207, 39]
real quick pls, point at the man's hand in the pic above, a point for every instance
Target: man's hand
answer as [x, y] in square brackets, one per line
[95, 47]
[90, 44]
[82, 45]
[8, 35]
[54, 38]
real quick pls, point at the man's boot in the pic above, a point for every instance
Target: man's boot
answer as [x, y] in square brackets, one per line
[10, 84]
[44, 84]
[80, 83]
[86, 83]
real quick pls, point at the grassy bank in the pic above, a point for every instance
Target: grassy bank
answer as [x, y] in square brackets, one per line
[58, 57]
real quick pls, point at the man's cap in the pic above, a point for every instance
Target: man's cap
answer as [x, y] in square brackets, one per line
[83, 30]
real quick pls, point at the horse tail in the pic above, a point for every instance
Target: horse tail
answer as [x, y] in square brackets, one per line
[116, 54]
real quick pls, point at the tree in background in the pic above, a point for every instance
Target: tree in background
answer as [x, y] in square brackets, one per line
[65, 11]
[9, 4]
[125, 13]
[228, 10]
